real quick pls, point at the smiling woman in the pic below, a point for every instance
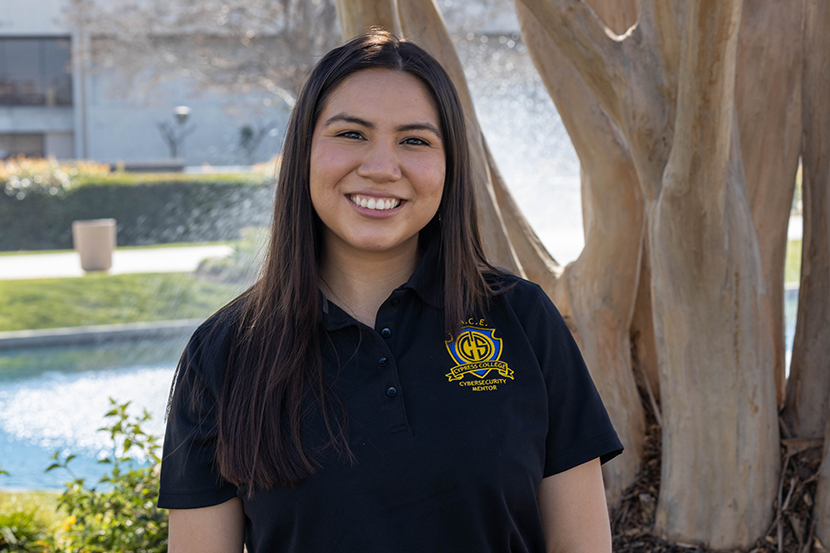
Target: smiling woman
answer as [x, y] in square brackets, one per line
[377, 176]
[382, 387]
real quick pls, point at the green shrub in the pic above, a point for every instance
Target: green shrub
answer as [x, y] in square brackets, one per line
[23, 530]
[119, 513]
[23, 176]
[148, 209]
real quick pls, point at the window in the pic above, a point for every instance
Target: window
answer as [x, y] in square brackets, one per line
[35, 72]
[29, 145]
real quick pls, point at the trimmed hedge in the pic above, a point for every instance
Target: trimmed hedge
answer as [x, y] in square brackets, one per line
[148, 209]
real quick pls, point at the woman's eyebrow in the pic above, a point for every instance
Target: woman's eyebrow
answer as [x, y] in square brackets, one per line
[401, 128]
[419, 127]
[349, 119]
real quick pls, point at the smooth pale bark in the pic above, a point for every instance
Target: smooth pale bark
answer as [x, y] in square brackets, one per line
[719, 412]
[602, 283]
[620, 16]
[768, 96]
[627, 75]
[809, 384]
[643, 345]
[716, 380]
[821, 511]
[358, 16]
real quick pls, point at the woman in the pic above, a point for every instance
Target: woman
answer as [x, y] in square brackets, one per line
[382, 387]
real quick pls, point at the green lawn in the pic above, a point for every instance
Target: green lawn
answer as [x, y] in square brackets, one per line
[792, 265]
[103, 299]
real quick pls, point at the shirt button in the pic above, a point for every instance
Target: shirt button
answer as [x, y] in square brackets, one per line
[383, 361]
[386, 333]
[391, 391]
[395, 302]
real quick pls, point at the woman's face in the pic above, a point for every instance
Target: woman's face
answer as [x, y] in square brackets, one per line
[377, 163]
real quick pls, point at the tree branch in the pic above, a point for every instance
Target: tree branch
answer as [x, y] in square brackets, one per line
[593, 49]
[356, 16]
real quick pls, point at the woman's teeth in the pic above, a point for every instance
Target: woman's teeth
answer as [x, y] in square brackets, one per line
[375, 203]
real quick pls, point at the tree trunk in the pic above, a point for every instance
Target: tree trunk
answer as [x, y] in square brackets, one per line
[673, 101]
[602, 283]
[719, 409]
[809, 383]
[358, 16]
[768, 96]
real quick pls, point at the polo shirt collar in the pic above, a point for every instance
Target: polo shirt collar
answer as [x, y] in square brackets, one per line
[427, 282]
[428, 279]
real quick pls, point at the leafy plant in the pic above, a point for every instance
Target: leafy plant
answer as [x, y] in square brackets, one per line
[22, 531]
[23, 176]
[119, 513]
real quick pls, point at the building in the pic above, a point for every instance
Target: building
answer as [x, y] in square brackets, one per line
[50, 105]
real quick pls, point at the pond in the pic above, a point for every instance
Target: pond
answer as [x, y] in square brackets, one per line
[55, 399]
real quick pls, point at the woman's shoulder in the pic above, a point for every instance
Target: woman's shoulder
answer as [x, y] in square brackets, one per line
[527, 302]
[515, 289]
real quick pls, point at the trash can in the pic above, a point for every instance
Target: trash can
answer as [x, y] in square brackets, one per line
[94, 241]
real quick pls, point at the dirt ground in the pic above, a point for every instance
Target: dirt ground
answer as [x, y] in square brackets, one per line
[791, 531]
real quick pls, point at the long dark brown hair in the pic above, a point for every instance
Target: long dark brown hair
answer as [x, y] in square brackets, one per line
[275, 365]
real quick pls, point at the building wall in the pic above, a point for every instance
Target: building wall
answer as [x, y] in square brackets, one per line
[109, 123]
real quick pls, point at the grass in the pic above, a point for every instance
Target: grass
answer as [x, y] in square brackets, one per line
[154, 246]
[29, 516]
[103, 299]
[792, 265]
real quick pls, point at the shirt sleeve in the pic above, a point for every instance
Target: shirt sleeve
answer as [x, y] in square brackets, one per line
[189, 476]
[579, 428]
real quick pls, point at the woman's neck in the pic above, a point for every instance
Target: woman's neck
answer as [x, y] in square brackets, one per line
[360, 283]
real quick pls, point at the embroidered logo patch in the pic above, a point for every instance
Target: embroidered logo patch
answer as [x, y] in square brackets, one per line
[476, 352]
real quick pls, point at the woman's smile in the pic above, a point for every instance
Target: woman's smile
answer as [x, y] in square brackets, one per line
[377, 163]
[370, 202]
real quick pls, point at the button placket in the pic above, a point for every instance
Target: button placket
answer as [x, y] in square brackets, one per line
[387, 365]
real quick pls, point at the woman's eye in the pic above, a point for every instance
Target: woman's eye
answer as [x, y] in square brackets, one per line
[350, 134]
[416, 142]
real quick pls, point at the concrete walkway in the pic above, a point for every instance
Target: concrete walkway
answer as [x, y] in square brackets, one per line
[182, 259]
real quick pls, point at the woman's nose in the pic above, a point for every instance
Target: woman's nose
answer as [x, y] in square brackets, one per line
[380, 164]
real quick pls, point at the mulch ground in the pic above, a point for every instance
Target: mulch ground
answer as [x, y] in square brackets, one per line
[632, 519]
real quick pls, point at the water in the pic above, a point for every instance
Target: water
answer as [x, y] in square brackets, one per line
[55, 399]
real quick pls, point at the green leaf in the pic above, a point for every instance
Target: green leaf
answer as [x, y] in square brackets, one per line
[53, 466]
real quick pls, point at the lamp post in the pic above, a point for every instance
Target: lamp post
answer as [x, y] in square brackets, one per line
[174, 135]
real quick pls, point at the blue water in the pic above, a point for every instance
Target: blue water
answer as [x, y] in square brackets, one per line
[54, 399]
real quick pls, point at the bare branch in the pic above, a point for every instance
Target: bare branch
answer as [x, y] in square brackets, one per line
[594, 50]
[229, 46]
[356, 16]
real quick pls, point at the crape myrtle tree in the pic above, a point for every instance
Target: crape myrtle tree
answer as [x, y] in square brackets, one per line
[689, 117]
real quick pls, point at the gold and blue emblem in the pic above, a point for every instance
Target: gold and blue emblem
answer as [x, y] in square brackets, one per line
[476, 351]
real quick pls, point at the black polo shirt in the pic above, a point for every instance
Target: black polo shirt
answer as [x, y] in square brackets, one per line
[452, 439]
